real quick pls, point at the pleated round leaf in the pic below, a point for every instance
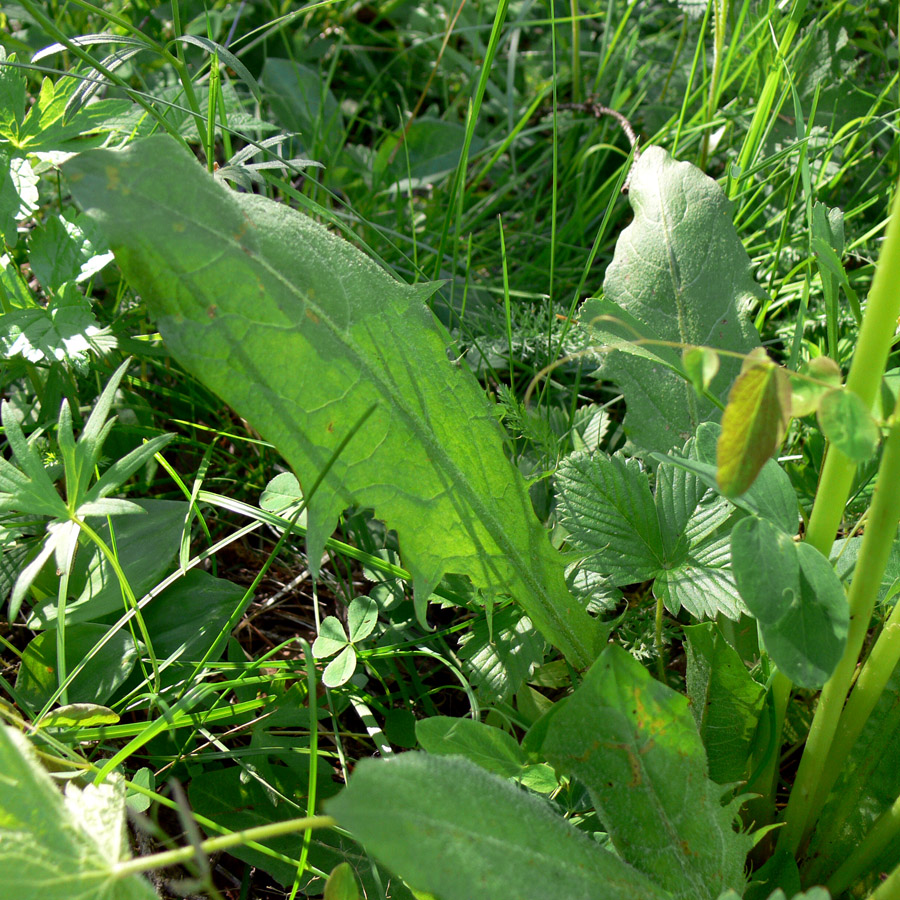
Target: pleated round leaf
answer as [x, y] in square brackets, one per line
[848, 424]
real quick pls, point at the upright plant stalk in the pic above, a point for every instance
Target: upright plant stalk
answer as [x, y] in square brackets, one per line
[870, 685]
[861, 860]
[873, 557]
[876, 334]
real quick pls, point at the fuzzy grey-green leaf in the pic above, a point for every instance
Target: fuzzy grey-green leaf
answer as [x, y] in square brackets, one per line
[679, 274]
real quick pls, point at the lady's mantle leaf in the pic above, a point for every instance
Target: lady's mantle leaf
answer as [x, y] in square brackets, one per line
[303, 335]
[633, 742]
[679, 274]
[459, 832]
[60, 848]
[754, 423]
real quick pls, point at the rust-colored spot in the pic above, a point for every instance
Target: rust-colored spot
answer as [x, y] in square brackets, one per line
[330, 427]
[312, 316]
[178, 227]
[211, 310]
[112, 178]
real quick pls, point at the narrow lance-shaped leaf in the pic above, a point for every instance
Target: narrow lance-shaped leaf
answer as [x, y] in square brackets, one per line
[679, 275]
[301, 334]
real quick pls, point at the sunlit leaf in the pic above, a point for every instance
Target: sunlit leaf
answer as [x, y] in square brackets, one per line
[321, 350]
[753, 425]
[679, 276]
[55, 847]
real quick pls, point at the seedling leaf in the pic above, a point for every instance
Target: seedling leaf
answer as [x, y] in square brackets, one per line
[753, 425]
[806, 392]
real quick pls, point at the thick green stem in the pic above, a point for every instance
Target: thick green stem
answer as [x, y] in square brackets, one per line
[860, 861]
[889, 889]
[869, 686]
[873, 557]
[876, 334]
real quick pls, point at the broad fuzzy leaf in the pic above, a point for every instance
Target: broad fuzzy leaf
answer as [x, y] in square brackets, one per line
[459, 832]
[60, 848]
[315, 345]
[634, 744]
[236, 802]
[679, 274]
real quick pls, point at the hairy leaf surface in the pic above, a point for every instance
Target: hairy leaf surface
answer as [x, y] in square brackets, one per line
[60, 848]
[315, 345]
[679, 274]
[459, 832]
[633, 742]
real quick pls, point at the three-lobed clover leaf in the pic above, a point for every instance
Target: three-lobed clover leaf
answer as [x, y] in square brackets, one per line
[362, 617]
